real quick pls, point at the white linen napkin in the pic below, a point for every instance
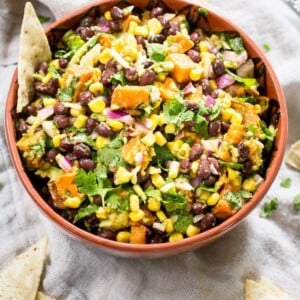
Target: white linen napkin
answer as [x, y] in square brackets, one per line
[268, 247]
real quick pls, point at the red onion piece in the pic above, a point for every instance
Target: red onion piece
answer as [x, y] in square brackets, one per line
[63, 163]
[189, 88]
[210, 101]
[45, 113]
[224, 81]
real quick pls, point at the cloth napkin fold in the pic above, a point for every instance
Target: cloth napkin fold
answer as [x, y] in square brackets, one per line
[268, 247]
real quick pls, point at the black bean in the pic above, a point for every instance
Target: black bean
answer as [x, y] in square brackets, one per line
[147, 78]
[82, 150]
[85, 32]
[22, 127]
[248, 166]
[104, 130]
[87, 164]
[40, 87]
[60, 109]
[92, 221]
[87, 21]
[197, 208]
[208, 221]
[97, 199]
[85, 97]
[204, 169]
[142, 178]
[210, 181]
[52, 86]
[218, 67]
[43, 67]
[50, 155]
[63, 62]
[156, 11]
[244, 151]
[115, 26]
[90, 125]
[140, 40]
[66, 144]
[130, 74]
[205, 86]
[107, 234]
[165, 23]
[174, 28]
[111, 64]
[148, 63]
[215, 165]
[62, 121]
[191, 105]
[146, 184]
[214, 128]
[156, 239]
[105, 78]
[195, 37]
[194, 55]
[158, 38]
[196, 151]
[116, 13]
[31, 110]
[224, 126]
[184, 166]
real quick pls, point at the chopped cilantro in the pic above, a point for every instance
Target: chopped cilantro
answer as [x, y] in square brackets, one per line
[73, 40]
[203, 12]
[249, 82]
[201, 126]
[236, 199]
[85, 212]
[43, 19]
[286, 182]
[153, 193]
[82, 137]
[162, 154]
[174, 204]
[182, 223]
[270, 133]
[296, 202]
[63, 53]
[118, 78]
[236, 44]
[87, 182]
[53, 71]
[269, 207]
[156, 52]
[266, 47]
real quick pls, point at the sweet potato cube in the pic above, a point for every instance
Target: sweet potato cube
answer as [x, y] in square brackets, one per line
[223, 210]
[138, 234]
[130, 97]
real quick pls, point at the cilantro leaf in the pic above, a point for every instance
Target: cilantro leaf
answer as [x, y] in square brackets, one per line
[269, 207]
[266, 47]
[237, 199]
[203, 12]
[156, 52]
[43, 19]
[162, 154]
[72, 40]
[118, 78]
[85, 212]
[296, 202]
[153, 193]
[249, 82]
[174, 204]
[53, 71]
[236, 44]
[182, 223]
[201, 126]
[286, 182]
[87, 182]
[270, 133]
[84, 138]
[66, 94]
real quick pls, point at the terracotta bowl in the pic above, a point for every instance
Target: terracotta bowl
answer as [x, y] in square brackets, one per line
[273, 90]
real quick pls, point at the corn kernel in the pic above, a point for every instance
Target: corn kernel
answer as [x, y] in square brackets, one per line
[149, 139]
[105, 56]
[132, 27]
[161, 120]
[96, 88]
[101, 213]
[236, 119]
[175, 146]
[203, 46]
[47, 78]
[169, 225]
[115, 125]
[49, 102]
[107, 15]
[234, 177]
[161, 76]
[134, 203]
[249, 185]
[227, 114]
[122, 176]
[80, 121]
[74, 112]
[161, 216]
[192, 230]
[213, 199]
[157, 180]
[153, 170]
[97, 105]
[57, 139]
[154, 121]
[123, 237]
[136, 216]
[176, 236]
[153, 204]
[204, 195]
[213, 84]
[184, 151]
[155, 26]
[101, 142]
[139, 191]
[159, 138]
[72, 202]
[257, 108]
[196, 74]
[170, 129]
[173, 169]
[142, 30]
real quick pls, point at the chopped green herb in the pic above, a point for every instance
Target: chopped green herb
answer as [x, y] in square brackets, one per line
[162, 154]
[73, 40]
[118, 78]
[66, 94]
[201, 126]
[296, 202]
[266, 47]
[85, 212]
[237, 199]
[182, 223]
[156, 52]
[286, 182]
[43, 19]
[174, 204]
[236, 44]
[203, 12]
[249, 82]
[52, 70]
[269, 207]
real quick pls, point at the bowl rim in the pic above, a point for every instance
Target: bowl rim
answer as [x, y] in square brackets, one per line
[161, 249]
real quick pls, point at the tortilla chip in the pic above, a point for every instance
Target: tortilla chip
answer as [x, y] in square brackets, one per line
[34, 48]
[21, 279]
[263, 290]
[42, 296]
[293, 156]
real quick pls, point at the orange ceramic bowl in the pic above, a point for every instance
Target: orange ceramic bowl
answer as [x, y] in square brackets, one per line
[273, 91]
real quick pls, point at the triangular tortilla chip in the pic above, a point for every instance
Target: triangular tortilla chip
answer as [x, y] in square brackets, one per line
[293, 156]
[34, 48]
[21, 279]
[263, 290]
[42, 296]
